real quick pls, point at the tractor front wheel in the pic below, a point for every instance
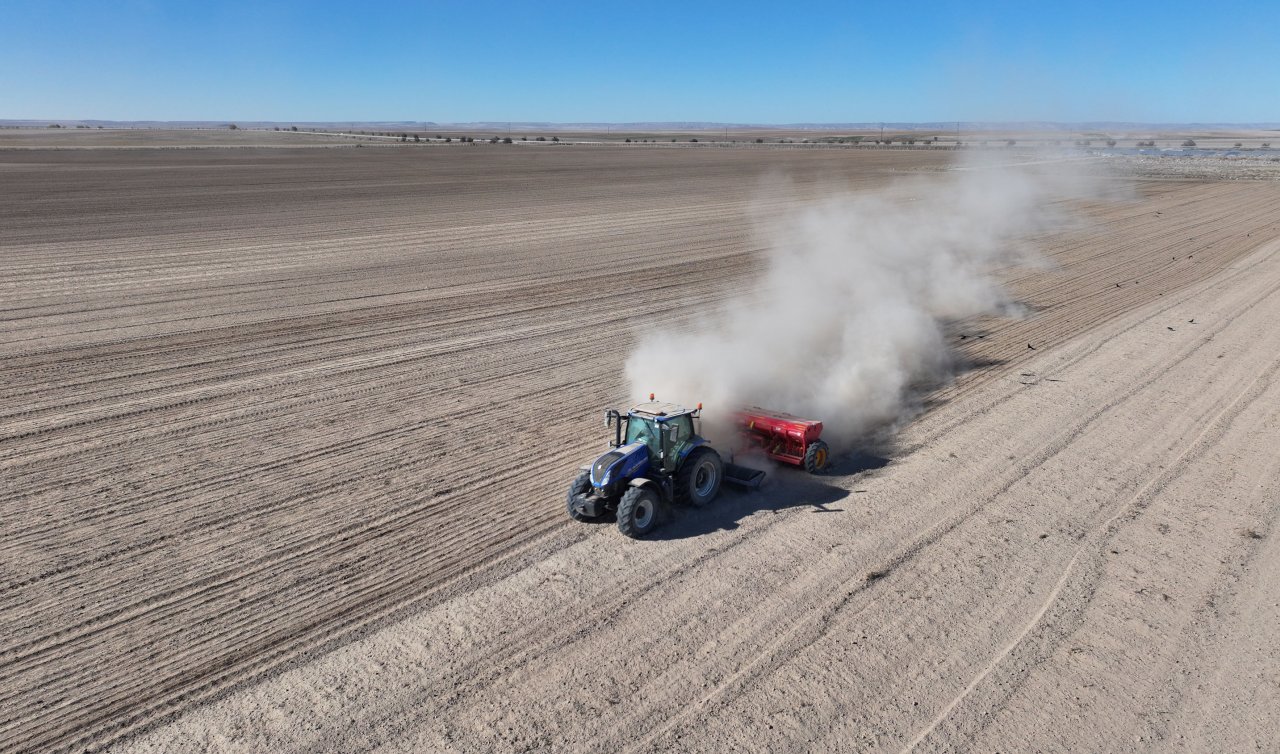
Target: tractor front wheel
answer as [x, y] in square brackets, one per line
[698, 481]
[638, 512]
[816, 457]
[580, 488]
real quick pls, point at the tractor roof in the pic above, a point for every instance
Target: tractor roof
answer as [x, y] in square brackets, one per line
[659, 409]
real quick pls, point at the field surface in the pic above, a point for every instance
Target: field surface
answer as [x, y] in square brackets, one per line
[285, 433]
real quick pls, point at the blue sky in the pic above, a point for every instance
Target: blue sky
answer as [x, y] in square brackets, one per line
[549, 60]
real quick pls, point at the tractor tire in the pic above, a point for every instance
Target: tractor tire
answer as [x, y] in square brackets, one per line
[699, 477]
[817, 457]
[581, 487]
[638, 512]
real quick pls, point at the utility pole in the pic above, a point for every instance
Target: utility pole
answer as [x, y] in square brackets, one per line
[882, 132]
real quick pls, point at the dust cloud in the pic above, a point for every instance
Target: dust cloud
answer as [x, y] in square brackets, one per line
[849, 313]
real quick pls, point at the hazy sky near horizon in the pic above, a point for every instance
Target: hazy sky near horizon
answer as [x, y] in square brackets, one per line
[749, 62]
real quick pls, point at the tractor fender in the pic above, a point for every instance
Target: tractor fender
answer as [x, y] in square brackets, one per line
[694, 444]
[663, 490]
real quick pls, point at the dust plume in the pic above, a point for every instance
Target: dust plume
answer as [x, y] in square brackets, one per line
[849, 312]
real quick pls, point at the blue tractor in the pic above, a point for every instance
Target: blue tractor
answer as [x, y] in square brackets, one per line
[656, 458]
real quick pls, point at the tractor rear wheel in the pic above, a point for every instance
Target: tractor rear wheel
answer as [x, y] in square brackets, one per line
[580, 488]
[698, 480]
[816, 457]
[638, 512]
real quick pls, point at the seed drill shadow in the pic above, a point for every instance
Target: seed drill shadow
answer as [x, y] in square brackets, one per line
[785, 488]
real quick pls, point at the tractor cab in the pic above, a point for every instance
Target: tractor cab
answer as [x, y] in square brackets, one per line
[667, 431]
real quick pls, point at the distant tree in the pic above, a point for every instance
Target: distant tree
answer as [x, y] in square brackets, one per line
[1265, 144]
[233, 127]
[448, 139]
[693, 141]
[1111, 142]
[673, 140]
[293, 128]
[53, 125]
[1189, 143]
[541, 138]
[437, 136]
[416, 139]
[1239, 144]
[759, 141]
[524, 138]
[555, 138]
[275, 128]
[506, 140]
[628, 141]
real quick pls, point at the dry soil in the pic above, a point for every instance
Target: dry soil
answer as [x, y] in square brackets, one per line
[285, 433]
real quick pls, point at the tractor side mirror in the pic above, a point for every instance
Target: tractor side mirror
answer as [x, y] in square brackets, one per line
[608, 418]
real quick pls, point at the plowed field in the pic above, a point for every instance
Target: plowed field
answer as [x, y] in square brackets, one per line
[289, 430]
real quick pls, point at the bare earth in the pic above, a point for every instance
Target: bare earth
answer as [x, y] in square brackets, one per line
[286, 431]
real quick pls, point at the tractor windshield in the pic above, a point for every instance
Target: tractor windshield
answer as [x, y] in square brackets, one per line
[645, 430]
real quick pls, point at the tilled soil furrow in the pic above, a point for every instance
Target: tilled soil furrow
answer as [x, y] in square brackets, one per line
[257, 402]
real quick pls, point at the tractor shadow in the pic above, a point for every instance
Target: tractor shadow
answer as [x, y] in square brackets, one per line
[784, 489]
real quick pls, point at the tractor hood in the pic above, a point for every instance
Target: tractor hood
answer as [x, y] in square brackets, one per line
[620, 464]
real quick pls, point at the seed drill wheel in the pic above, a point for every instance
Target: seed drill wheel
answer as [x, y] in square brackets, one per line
[816, 457]
[581, 487]
[638, 511]
[698, 481]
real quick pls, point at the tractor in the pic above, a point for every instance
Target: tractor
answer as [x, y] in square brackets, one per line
[656, 458]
